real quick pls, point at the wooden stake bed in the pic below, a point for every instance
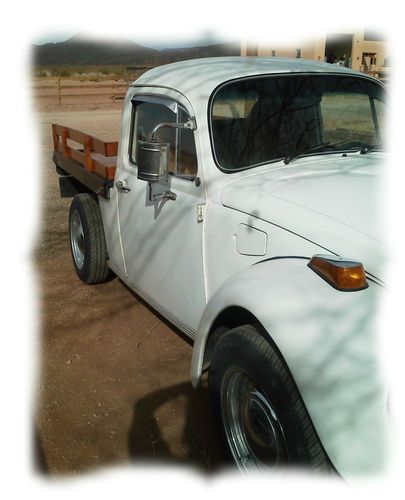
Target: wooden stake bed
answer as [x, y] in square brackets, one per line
[93, 165]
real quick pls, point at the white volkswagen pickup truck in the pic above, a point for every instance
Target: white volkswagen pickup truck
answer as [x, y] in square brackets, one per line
[241, 202]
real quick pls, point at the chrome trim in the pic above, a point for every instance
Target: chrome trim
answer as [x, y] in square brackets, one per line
[77, 239]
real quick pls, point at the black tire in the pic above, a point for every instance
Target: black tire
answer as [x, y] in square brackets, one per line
[87, 240]
[249, 385]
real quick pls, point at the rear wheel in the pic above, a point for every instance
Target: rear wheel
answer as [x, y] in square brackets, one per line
[260, 415]
[87, 240]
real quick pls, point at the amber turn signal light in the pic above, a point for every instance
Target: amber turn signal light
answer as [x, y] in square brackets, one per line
[343, 274]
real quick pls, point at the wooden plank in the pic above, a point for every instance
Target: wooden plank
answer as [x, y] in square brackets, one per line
[91, 180]
[105, 160]
[104, 166]
[101, 166]
[97, 156]
[107, 172]
[57, 128]
[111, 149]
[110, 172]
[77, 156]
[98, 146]
[66, 148]
[88, 162]
[55, 138]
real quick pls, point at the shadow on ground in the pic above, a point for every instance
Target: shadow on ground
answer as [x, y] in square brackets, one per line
[194, 442]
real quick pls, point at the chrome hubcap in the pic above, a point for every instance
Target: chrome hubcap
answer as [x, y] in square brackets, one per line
[253, 430]
[77, 239]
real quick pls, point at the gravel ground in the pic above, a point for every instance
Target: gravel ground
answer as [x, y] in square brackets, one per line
[114, 381]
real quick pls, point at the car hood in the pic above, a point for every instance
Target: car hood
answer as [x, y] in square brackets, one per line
[334, 202]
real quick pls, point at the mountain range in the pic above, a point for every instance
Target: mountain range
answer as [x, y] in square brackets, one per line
[78, 50]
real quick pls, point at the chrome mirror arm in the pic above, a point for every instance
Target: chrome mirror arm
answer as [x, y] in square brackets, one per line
[189, 124]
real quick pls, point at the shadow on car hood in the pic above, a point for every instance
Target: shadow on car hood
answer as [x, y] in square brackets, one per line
[334, 202]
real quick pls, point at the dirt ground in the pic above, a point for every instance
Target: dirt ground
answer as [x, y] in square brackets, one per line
[113, 386]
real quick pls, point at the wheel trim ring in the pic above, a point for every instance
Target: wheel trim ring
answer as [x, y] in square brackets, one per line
[242, 452]
[77, 239]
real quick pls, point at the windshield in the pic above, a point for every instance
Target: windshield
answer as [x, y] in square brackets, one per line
[263, 119]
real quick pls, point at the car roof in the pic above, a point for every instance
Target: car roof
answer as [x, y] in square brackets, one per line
[197, 78]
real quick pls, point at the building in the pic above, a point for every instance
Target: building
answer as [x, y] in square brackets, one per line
[360, 50]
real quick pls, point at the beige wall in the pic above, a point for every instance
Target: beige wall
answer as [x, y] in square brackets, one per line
[254, 48]
[357, 50]
[319, 49]
[381, 48]
[308, 50]
[315, 49]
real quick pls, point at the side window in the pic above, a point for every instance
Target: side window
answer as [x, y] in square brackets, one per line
[146, 115]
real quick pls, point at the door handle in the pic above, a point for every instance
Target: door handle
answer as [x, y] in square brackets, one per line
[122, 187]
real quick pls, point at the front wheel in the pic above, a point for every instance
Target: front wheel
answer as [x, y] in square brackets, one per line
[260, 415]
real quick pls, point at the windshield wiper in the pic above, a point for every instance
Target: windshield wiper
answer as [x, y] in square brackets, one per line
[348, 145]
[319, 147]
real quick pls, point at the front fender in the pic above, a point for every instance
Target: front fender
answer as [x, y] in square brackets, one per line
[328, 341]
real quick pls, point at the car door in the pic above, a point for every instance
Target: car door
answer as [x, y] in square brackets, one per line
[162, 240]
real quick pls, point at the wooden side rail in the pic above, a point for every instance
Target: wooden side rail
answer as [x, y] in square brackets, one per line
[96, 156]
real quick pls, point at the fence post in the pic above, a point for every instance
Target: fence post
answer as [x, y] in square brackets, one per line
[88, 160]
[59, 92]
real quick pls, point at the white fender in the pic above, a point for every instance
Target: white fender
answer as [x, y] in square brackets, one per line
[328, 340]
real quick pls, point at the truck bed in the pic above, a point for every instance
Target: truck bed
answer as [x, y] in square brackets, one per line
[83, 160]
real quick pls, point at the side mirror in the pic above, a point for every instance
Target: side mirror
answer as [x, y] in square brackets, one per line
[153, 161]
